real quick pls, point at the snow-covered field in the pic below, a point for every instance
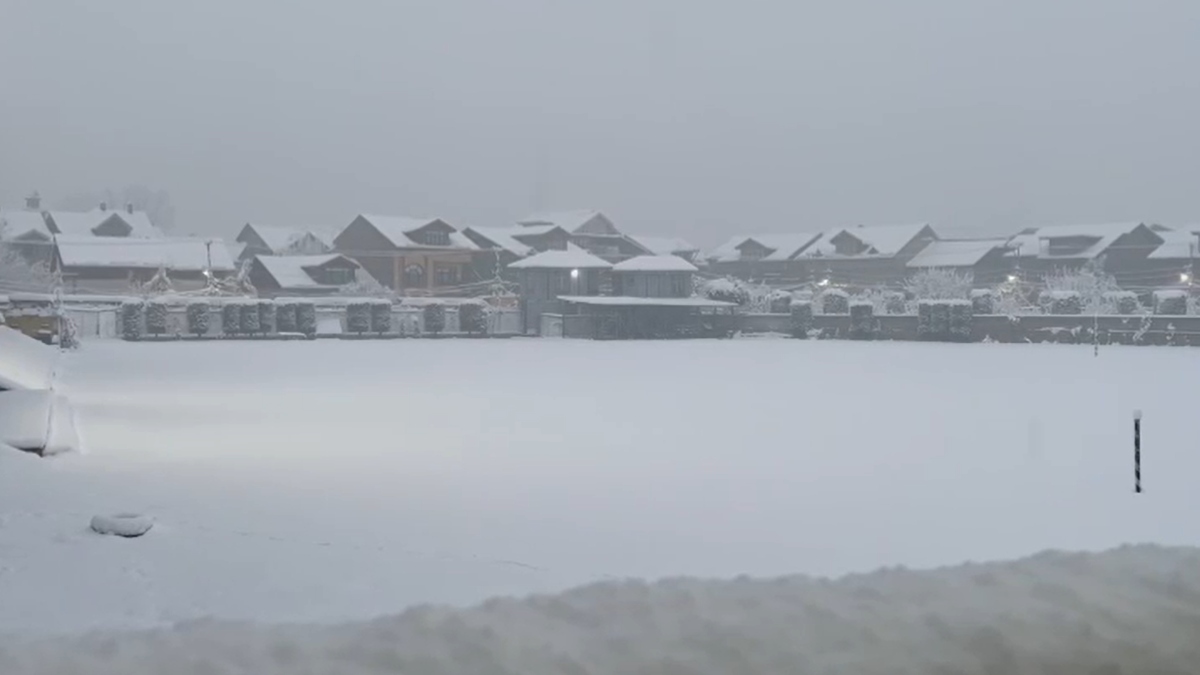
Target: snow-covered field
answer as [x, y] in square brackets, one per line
[334, 481]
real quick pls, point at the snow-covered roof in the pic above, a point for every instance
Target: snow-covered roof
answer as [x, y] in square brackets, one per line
[955, 253]
[572, 258]
[83, 222]
[236, 249]
[506, 237]
[182, 253]
[567, 220]
[655, 263]
[19, 222]
[882, 240]
[628, 301]
[281, 238]
[398, 228]
[664, 245]
[1177, 245]
[1029, 242]
[290, 271]
[783, 246]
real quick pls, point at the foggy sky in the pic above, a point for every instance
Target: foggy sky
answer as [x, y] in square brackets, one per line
[702, 118]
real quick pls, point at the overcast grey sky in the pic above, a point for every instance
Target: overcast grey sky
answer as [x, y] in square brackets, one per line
[692, 117]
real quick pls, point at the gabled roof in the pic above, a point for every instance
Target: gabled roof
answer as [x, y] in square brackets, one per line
[881, 240]
[83, 222]
[183, 253]
[1177, 245]
[1027, 244]
[782, 246]
[567, 220]
[280, 239]
[955, 253]
[509, 238]
[665, 245]
[655, 263]
[397, 229]
[572, 258]
[291, 271]
[22, 222]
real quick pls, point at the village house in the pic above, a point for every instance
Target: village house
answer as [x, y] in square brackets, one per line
[272, 240]
[864, 255]
[1124, 248]
[26, 232]
[761, 257]
[115, 265]
[509, 244]
[545, 276]
[1173, 263]
[669, 246]
[592, 231]
[984, 260]
[413, 256]
[103, 222]
[301, 275]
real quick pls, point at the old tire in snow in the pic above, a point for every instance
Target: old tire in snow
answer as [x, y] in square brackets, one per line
[122, 525]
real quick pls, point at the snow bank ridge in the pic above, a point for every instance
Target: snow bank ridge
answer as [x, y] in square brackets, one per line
[1131, 610]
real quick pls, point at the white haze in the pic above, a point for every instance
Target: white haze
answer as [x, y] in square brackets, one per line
[696, 118]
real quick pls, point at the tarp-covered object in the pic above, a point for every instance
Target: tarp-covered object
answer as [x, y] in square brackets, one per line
[25, 363]
[37, 421]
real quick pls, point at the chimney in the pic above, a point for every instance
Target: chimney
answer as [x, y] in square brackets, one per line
[103, 206]
[129, 208]
[34, 201]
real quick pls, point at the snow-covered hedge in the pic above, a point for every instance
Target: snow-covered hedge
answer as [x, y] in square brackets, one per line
[435, 318]
[381, 316]
[1122, 302]
[983, 301]
[132, 312]
[285, 317]
[231, 318]
[894, 303]
[944, 320]
[779, 302]
[266, 316]
[862, 320]
[306, 318]
[726, 290]
[156, 317]
[939, 284]
[472, 318]
[835, 301]
[358, 317]
[197, 317]
[1172, 302]
[249, 316]
[802, 319]
[1062, 302]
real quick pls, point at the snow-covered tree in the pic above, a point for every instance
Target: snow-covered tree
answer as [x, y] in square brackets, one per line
[381, 316]
[727, 289]
[197, 317]
[358, 317]
[156, 317]
[802, 319]
[835, 301]
[365, 286]
[306, 318]
[285, 317]
[435, 318]
[1173, 302]
[1090, 282]
[18, 274]
[131, 319]
[938, 284]
[472, 317]
[159, 284]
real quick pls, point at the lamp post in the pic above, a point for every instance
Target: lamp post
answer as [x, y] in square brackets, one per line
[575, 281]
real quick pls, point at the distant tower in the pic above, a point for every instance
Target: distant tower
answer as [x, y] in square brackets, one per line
[34, 201]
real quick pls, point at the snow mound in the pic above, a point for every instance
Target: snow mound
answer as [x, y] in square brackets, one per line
[38, 421]
[122, 525]
[25, 363]
[1133, 609]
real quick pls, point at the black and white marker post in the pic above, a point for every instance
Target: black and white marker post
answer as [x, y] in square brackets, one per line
[1137, 451]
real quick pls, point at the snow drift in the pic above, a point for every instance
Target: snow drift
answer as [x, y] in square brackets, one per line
[38, 421]
[25, 363]
[1134, 609]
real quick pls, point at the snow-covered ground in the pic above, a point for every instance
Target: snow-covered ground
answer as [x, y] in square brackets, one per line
[333, 481]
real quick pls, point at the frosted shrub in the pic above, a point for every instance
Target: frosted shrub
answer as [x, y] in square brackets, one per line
[1063, 302]
[938, 284]
[835, 301]
[802, 319]
[231, 319]
[472, 318]
[306, 318]
[894, 303]
[1122, 302]
[1173, 302]
[131, 319]
[156, 317]
[961, 316]
[381, 316]
[249, 317]
[1090, 283]
[726, 290]
[285, 317]
[266, 316]
[862, 320]
[779, 302]
[358, 317]
[197, 318]
[983, 301]
[435, 318]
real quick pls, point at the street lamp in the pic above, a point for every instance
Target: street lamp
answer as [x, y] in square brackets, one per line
[575, 281]
[1185, 277]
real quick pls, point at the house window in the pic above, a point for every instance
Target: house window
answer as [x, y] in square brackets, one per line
[414, 276]
[434, 238]
[339, 276]
[446, 275]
